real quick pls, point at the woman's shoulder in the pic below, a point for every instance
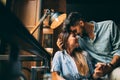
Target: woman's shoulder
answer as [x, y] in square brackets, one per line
[58, 53]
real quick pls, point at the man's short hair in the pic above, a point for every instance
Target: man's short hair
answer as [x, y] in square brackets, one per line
[72, 20]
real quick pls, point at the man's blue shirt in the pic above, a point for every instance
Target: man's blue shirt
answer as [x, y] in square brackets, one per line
[106, 42]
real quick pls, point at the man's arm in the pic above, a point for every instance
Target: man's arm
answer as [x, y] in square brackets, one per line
[103, 68]
[115, 61]
[115, 39]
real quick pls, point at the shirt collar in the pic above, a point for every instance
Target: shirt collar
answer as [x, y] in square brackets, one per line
[95, 26]
[65, 52]
[95, 29]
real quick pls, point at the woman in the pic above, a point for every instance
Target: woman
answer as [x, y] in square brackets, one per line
[72, 63]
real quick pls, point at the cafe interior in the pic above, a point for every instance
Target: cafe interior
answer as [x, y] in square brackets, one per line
[29, 30]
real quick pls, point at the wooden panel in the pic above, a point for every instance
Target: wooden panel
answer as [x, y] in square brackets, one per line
[26, 10]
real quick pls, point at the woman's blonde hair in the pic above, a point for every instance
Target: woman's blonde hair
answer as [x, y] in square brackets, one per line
[80, 61]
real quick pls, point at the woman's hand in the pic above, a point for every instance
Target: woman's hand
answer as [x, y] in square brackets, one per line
[59, 44]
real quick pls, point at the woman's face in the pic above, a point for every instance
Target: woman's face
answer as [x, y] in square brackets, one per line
[73, 41]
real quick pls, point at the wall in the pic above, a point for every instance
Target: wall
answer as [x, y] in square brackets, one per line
[28, 12]
[97, 10]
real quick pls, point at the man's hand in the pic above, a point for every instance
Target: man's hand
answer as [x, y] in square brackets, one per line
[59, 44]
[101, 70]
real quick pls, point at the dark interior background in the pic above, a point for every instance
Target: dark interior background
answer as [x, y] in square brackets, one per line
[96, 10]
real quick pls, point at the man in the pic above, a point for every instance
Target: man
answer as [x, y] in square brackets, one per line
[101, 40]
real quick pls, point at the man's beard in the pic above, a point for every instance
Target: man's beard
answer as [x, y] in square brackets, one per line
[84, 34]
